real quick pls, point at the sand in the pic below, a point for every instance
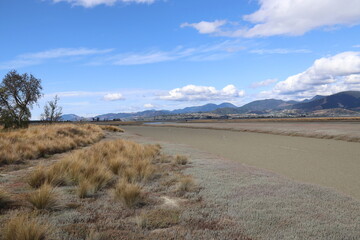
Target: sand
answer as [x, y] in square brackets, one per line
[329, 163]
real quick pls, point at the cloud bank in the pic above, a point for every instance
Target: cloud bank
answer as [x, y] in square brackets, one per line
[286, 17]
[202, 93]
[327, 75]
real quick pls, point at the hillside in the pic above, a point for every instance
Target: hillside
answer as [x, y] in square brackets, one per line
[346, 100]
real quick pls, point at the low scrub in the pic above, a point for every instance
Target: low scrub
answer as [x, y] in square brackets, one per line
[128, 194]
[186, 184]
[24, 227]
[44, 198]
[111, 128]
[159, 218]
[181, 160]
[42, 140]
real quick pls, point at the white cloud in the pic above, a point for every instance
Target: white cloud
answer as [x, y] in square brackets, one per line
[206, 27]
[202, 93]
[93, 3]
[264, 83]
[29, 59]
[149, 105]
[327, 75]
[279, 51]
[201, 53]
[290, 17]
[113, 97]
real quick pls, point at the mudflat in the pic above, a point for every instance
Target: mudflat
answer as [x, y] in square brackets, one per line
[326, 162]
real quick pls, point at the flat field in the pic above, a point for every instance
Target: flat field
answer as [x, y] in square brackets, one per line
[325, 162]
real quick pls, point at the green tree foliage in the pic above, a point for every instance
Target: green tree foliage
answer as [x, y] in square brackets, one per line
[18, 94]
[52, 111]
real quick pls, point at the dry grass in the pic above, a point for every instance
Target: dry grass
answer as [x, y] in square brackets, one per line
[186, 184]
[111, 128]
[158, 218]
[181, 160]
[128, 194]
[5, 199]
[44, 198]
[24, 227]
[42, 140]
[85, 189]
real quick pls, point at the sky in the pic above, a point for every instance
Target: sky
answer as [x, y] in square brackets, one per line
[102, 56]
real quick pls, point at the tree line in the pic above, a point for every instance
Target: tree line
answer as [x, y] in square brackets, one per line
[18, 94]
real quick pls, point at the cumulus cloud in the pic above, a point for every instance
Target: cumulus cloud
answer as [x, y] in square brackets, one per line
[289, 17]
[29, 59]
[326, 76]
[113, 97]
[93, 3]
[206, 27]
[149, 105]
[202, 93]
[264, 83]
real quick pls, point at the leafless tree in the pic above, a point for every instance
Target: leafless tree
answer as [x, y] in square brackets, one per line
[52, 111]
[18, 94]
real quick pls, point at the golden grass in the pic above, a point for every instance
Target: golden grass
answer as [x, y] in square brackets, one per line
[186, 184]
[128, 194]
[44, 198]
[111, 128]
[42, 140]
[5, 199]
[24, 227]
[181, 160]
[99, 166]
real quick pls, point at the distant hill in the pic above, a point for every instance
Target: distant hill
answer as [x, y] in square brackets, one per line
[153, 113]
[71, 117]
[258, 106]
[346, 100]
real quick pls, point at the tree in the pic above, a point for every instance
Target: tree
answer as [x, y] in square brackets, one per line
[18, 94]
[52, 111]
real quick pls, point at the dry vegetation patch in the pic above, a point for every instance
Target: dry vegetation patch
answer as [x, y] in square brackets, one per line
[111, 128]
[102, 190]
[42, 140]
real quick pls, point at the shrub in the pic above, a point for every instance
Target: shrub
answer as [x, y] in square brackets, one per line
[159, 218]
[44, 198]
[127, 193]
[23, 227]
[181, 160]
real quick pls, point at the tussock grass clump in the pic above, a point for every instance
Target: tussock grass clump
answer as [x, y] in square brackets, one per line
[111, 128]
[186, 184]
[44, 198]
[85, 189]
[42, 140]
[159, 218]
[5, 199]
[127, 193]
[24, 227]
[99, 166]
[181, 160]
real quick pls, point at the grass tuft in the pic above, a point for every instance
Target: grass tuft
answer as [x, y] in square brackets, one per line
[128, 194]
[186, 184]
[44, 198]
[111, 128]
[23, 227]
[181, 160]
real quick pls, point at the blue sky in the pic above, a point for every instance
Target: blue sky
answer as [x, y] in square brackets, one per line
[104, 56]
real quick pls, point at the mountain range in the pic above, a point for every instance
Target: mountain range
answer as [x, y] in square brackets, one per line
[349, 100]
